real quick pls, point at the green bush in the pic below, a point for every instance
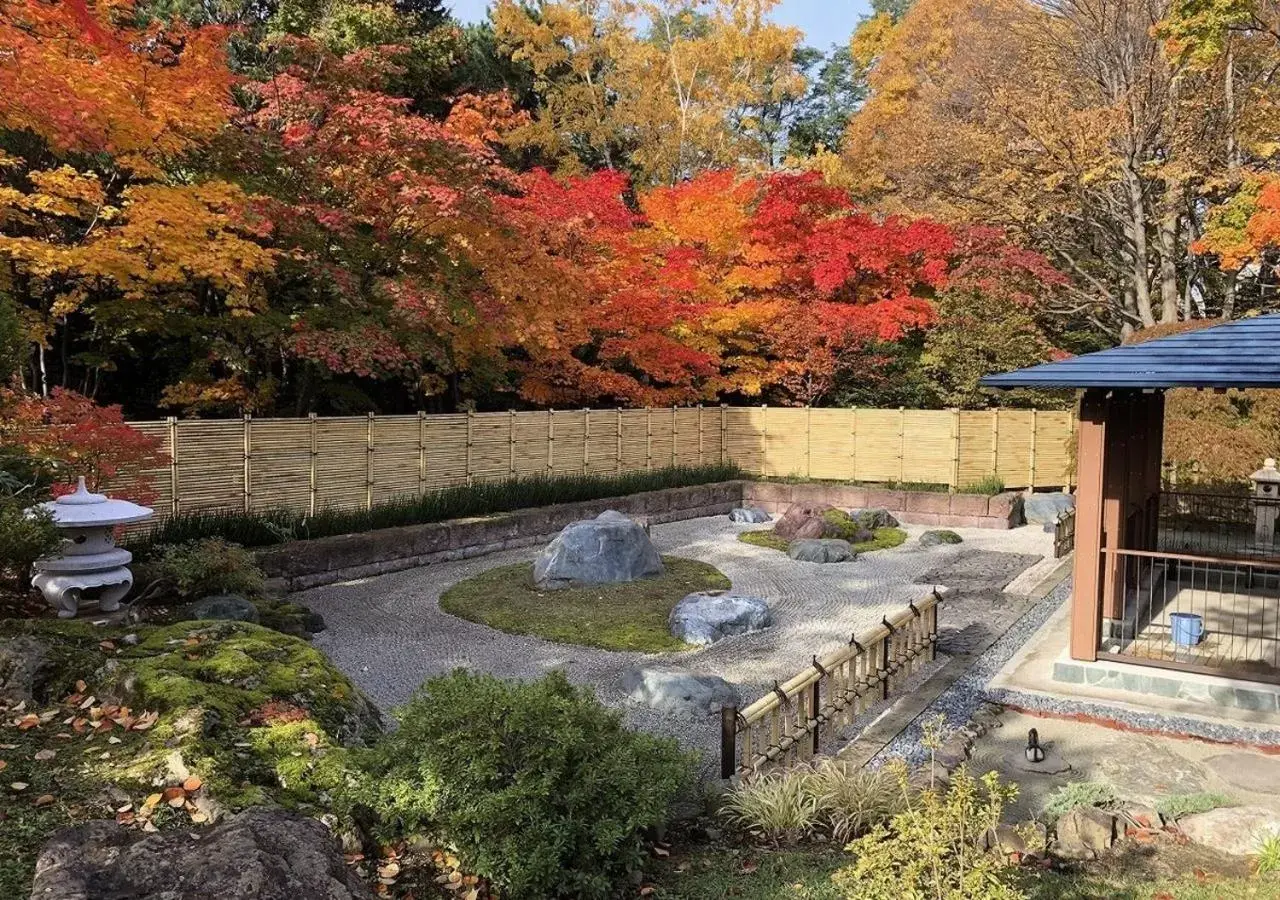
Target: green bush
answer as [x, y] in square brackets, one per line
[1178, 805]
[929, 849]
[200, 568]
[268, 527]
[24, 538]
[1079, 793]
[540, 788]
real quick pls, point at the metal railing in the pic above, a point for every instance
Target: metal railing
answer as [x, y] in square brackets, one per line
[1194, 613]
[1217, 524]
[788, 724]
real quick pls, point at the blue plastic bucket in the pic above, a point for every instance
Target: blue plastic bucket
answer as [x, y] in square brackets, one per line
[1188, 629]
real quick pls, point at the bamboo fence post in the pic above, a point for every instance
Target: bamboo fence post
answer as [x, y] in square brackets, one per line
[551, 441]
[902, 444]
[955, 450]
[511, 443]
[368, 467]
[586, 440]
[648, 439]
[729, 741]
[808, 441]
[995, 441]
[675, 433]
[1031, 484]
[853, 444]
[764, 438]
[701, 460]
[724, 432]
[172, 423]
[248, 464]
[422, 453]
[617, 428]
[470, 440]
[312, 482]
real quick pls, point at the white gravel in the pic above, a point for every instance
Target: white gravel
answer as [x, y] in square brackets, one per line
[389, 633]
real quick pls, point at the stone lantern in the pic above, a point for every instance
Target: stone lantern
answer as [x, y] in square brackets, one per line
[89, 560]
[1266, 503]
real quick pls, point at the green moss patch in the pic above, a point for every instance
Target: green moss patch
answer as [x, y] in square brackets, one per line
[123, 713]
[628, 616]
[884, 539]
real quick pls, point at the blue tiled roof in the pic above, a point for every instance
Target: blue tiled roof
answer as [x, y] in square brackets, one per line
[1243, 353]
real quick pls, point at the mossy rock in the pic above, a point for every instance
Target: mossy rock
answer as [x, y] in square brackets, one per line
[259, 717]
[842, 526]
[939, 537]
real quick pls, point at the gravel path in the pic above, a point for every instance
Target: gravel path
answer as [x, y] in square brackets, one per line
[389, 633]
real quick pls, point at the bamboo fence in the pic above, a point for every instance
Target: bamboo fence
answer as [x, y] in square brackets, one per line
[311, 463]
[786, 726]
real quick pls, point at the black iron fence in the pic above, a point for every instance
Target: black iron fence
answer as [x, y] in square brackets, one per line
[1221, 525]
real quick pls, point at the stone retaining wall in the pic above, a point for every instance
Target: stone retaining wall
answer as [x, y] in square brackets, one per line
[915, 507]
[305, 564]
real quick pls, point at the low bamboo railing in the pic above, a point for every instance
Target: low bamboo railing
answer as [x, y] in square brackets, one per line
[788, 724]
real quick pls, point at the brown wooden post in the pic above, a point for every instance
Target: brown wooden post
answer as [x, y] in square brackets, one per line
[648, 439]
[955, 450]
[470, 442]
[701, 460]
[815, 709]
[586, 441]
[1086, 609]
[511, 443]
[315, 452]
[808, 442]
[172, 422]
[724, 432]
[368, 465]
[728, 741]
[248, 464]
[617, 441]
[551, 441]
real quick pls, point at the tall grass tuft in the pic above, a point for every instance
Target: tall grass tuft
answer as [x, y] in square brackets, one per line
[482, 498]
[831, 799]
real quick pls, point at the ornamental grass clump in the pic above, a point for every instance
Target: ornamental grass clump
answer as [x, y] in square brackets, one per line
[539, 787]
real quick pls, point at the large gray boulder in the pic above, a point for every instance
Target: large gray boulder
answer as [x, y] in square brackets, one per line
[827, 550]
[605, 550]
[750, 515]
[1041, 509]
[675, 691]
[707, 616]
[261, 854]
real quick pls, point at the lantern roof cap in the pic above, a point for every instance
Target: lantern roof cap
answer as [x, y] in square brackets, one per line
[84, 509]
[1268, 472]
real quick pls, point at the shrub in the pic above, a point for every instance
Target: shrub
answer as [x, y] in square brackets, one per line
[990, 485]
[1178, 805]
[268, 527]
[830, 798]
[1079, 793]
[201, 568]
[1267, 859]
[929, 849]
[24, 538]
[540, 788]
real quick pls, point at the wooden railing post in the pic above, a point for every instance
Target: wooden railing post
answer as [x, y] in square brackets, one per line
[729, 741]
[815, 711]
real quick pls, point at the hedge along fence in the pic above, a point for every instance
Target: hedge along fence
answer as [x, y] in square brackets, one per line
[786, 725]
[358, 462]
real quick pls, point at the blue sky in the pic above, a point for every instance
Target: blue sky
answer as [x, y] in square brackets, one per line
[824, 22]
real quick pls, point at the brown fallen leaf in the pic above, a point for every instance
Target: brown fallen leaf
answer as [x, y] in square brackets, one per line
[749, 866]
[29, 721]
[192, 784]
[106, 645]
[44, 755]
[44, 800]
[81, 687]
[3, 765]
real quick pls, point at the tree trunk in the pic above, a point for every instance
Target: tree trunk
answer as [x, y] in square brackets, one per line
[1168, 263]
[1137, 228]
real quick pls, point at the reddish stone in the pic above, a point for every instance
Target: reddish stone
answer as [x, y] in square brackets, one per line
[894, 501]
[968, 504]
[928, 502]
[802, 520]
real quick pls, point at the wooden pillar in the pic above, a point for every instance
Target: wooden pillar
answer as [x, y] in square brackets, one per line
[1086, 611]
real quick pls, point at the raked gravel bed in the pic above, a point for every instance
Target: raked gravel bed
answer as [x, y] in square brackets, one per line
[389, 633]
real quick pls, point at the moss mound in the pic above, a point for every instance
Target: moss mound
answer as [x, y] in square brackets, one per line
[881, 539]
[123, 717]
[628, 616]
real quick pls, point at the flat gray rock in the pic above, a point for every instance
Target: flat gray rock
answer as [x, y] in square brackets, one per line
[608, 549]
[1235, 830]
[1040, 509]
[939, 537]
[1084, 833]
[675, 691]
[872, 519]
[821, 550]
[1054, 763]
[228, 607]
[261, 854]
[1250, 772]
[751, 515]
[707, 616]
